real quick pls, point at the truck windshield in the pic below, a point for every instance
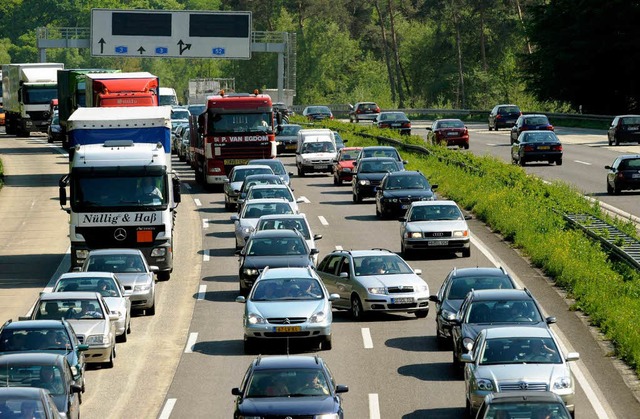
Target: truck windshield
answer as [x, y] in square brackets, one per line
[244, 122]
[39, 95]
[95, 193]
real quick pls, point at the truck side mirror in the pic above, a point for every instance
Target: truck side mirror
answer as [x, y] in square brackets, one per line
[62, 192]
[176, 190]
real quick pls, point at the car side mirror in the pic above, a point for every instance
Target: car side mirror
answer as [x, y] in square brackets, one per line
[236, 392]
[402, 219]
[467, 217]
[75, 388]
[434, 187]
[429, 129]
[608, 167]
[317, 236]
[344, 275]
[466, 358]
[113, 317]
[314, 251]
[83, 347]
[341, 388]
[572, 356]
[21, 318]
[417, 271]
[241, 299]
[234, 218]
[405, 161]
[238, 252]
[226, 181]
[334, 297]
[550, 320]
[434, 298]
[290, 174]
[77, 269]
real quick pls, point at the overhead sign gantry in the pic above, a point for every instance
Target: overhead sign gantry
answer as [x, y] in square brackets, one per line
[170, 34]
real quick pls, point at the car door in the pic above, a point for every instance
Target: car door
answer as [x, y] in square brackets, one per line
[327, 271]
[515, 130]
[345, 281]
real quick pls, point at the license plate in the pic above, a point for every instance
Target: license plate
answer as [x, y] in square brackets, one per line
[405, 300]
[510, 121]
[320, 166]
[396, 125]
[236, 161]
[632, 129]
[438, 242]
[291, 147]
[405, 206]
[543, 147]
[288, 329]
[635, 176]
[452, 134]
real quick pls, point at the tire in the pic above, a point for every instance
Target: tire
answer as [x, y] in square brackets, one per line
[467, 408]
[300, 171]
[609, 189]
[616, 140]
[443, 343]
[151, 311]
[378, 213]
[490, 128]
[456, 362]
[227, 206]
[249, 346]
[421, 314]
[122, 338]
[129, 327]
[163, 275]
[335, 180]
[109, 363]
[49, 140]
[357, 312]
[616, 190]
[466, 146]
[466, 253]
[354, 197]
[521, 162]
[327, 344]
[559, 162]
[496, 128]
[609, 140]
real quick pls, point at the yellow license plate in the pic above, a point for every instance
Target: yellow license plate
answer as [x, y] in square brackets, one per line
[291, 147]
[236, 161]
[544, 147]
[288, 329]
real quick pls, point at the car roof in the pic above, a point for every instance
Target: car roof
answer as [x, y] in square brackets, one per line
[91, 274]
[433, 203]
[499, 294]
[250, 166]
[265, 162]
[364, 252]
[29, 393]
[285, 272]
[407, 173]
[527, 396]
[449, 120]
[627, 116]
[517, 332]
[262, 176]
[115, 252]
[266, 200]
[629, 156]
[365, 159]
[287, 361]
[366, 103]
[270, 186]
[478, 271]
[69, 295]
[343, 149]
[379, 147]
[508, 104]
[34, 324]
[276, 233]
[533, 114]
[283, 216]
[34, 358]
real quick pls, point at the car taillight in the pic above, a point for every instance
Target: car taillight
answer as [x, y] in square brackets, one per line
[466, 131]
[358, 111]
[556, 148]
[384, 125]
[331, 117]
[378, 110]
[528, 148]
[550, 128]
[406, 125]
[524, 128]
[498, 116]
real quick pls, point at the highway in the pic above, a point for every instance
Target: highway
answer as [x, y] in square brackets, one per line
[184, 361]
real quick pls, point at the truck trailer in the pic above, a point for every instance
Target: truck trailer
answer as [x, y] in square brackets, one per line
[122, 89]
[27, 91]
[122, 190]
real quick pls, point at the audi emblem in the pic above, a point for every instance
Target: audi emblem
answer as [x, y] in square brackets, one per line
[438, 234]
[120, 234]
[524, 386]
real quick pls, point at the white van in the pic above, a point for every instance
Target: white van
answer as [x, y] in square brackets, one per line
[316, 154]
[167, 96]
[303, 134]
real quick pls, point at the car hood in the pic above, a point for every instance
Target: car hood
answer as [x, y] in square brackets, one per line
[289, 406]
[391, 280]
[276, 261]
[235, 186]
[87, 327]
[444, 225]
[116, 303]
[247, 222]
[318, 155]
[530, 373]
[284, 308]
[471, 330]
[452, 305]
[134, 278]
[287, 138]
[371, 176]
[408, 193]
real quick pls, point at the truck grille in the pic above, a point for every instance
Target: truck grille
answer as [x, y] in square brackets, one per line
[105, 237]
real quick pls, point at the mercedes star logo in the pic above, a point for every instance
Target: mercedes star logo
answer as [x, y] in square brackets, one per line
[524, 386]
[120, 234]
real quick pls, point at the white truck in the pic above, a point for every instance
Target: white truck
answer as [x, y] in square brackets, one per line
[27, 92]
[122, 191]
[201, 89]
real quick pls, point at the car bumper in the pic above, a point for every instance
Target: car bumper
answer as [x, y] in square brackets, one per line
[506, 123]
[366, 116]
[437, 244]
[97, 353]
[141, 299]
[366, 191]
[121, 326]
[541, 156]
[476, 398]
[287, 147]
[345, 176]
[297, 331]
[400, 303]
[627, 184]
[317, 167]
[56, 136]
[247, 281]
[392, 208]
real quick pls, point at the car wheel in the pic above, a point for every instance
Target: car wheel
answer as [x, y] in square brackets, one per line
[300, 171]
[490, 128]
[511, 140]
[466, 146]
[163, 275]
[109, 363]
[456, 362]
[354, 197]
[616, 189]
[244, 291]
[50, 140]
[129, 327]
[616, 140]
[609, 189]
[466, 253]
[249, 346]
[378, 213]
[421, 314]
[227, 206]
[559, 162]
[521, 162]
[122, 338]
[513, 160]
[467, 408]
[357, 312]
[609, 140]
[496, 128]
[327, 344]
[443, 343]
[151, 311]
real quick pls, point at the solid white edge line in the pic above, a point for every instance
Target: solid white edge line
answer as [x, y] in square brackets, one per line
[205, 223]
[323, 220]
[338, 247]
[366, 338]
[205, 255]
[197, 202]
[594, 394]
[374, 406]
[193, 338]
[167, 409]
[201, 292]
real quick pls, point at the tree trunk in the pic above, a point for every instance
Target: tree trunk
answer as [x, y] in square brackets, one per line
[397, 56]
[461, 102]
[483, 51]
[385, 47]
[521, 16]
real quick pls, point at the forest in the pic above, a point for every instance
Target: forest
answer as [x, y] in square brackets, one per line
[544, 55]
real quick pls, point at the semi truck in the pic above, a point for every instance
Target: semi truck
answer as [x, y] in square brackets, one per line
[27, 91]
[234, 129]
[122, 89]
[122, 190]
[72, 94]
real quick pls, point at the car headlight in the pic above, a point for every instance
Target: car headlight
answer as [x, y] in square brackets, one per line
[118, 312]
[484, 384]
[423, 288]
[74, 370]
[377, 290]
[82, 254]
[318, 317]
[461, 233]
[327, 416]
[97, 340]
[143, 287]
[413, 234]
[255, 318]
[448, 315]
[467, 343]
[250, 271]
[428, 198]
[562, 383]
[364, 182]
[247, 230]
[159, 252]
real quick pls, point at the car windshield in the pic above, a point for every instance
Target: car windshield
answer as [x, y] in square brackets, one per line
[527, 409]
[34, 339]
[349, 155]
[536, 120]
[318, 110]
[240, 174]
[25, 375]
[81, 309]
[380, 265]
[261, 181]
[258, 193]
[179, 114]
[276, 246]
[435, 213]
[55, 120]
[124, 263]
[407, 182]
[104, 285]
[287, 382]
[520, 350]
[287, 289]
[275, 165]
[511, 311]
[318, 147]
[257, 210]
[284, 224]
[289, 130]
[392, 116]
[450, 124]
[196, 109]
[378, 167]
[376, 152]
[539, 137]
[368, 106]
[12, 406]
[459, 287]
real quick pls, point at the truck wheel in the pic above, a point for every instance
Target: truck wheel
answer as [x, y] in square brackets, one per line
[163, 275]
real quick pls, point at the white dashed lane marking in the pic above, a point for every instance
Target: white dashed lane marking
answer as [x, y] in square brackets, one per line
[583, 162]
[167, 409]
[304, 199]
[193, 338]
[205, 223]
[374, 406]
[205, 255]
[202, 290]
[197, 202]
[186, 185]
[366, 338]
[323, 220]
[338, 247]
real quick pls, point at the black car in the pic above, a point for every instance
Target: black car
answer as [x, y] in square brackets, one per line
[368, 174]
[273, 248]
[53, 336]
[537, 146]
[288, 387]
[624, 129]
[399, 189]
[503, 116]
[523, 404]
[54, 131]
[455, 288]
[317, 113]
[489, 308]
[43, 370]
[287, 138]
[534, 122]
[380, 151]
[394, 120]
[20, 402]
[624, 173]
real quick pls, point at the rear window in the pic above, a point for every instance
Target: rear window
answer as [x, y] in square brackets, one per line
[290, 130]
[450, 124]
[509, 109]
[635, 120]
[368, 106]
[536, 120]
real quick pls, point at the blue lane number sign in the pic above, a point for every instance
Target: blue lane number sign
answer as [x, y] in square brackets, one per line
[121, 49]
[162, 50]
[218, 51]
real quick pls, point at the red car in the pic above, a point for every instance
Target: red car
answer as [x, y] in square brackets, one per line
[343, 164]
[449, 132]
